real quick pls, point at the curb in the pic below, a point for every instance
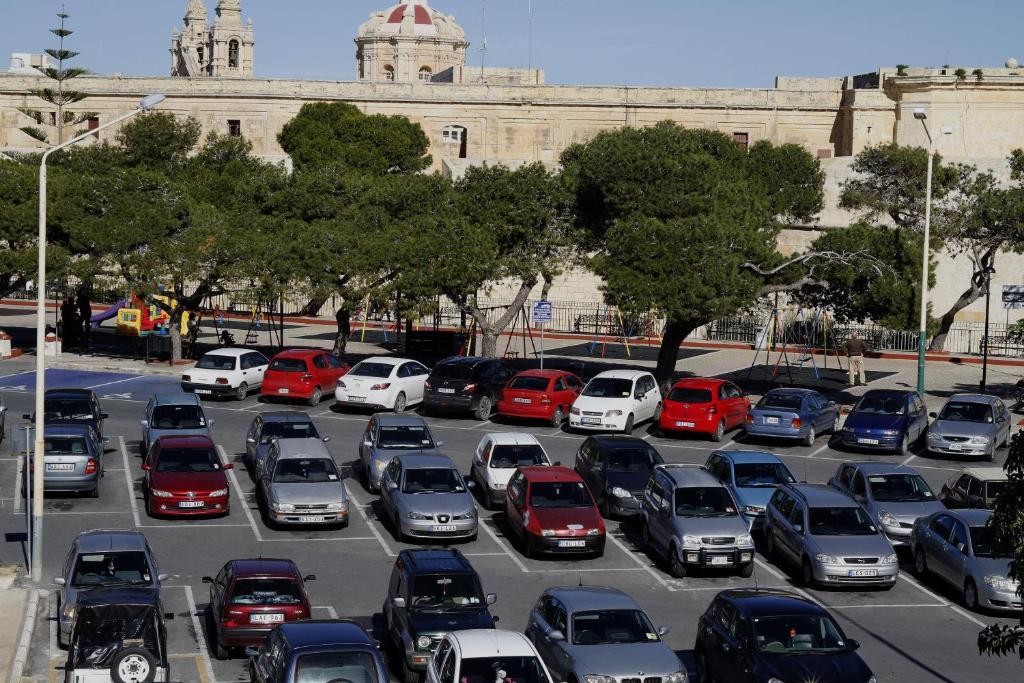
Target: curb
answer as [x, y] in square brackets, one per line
[147, 370]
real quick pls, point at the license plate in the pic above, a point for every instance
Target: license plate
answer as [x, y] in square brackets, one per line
[771, 420]
[862, 572]
[191, 504]
[312, 518]
[719, 560]
[282, 391]
[522, 400]
[59, 467]
[869, 442]
[445, 527]
[684, 424]
[572, 544]
[445, 390]
[955, 447]
[356, 399]
[204, 392]
[590, 420]
[272, 618]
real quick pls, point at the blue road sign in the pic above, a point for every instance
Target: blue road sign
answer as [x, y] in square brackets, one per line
[542, 312]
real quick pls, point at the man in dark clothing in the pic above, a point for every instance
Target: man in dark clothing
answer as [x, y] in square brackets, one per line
[84, 305]
[344, 330]
[855, 348]
[70, 325]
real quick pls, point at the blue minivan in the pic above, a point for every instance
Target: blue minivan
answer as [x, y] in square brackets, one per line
[751, 477]
[886, 419]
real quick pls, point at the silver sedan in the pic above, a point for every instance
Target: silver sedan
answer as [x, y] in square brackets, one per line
[425, 497]
[970, 424]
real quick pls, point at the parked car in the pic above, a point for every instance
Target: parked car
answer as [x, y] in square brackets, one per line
[476, 657]
[751, 635]
[970, 424]
[591, 631]
[886, 419]
[226, 371]
[249, 597]
[829, 536]
[616, 400]
[300, 651]
[690, 519]
[73, 458]
[99, 559]
[801, 414]
[300, 484]
[266, 428]
[960, 548]
[973, 487]
[382, 382]
[174, 415]
[69, 406]
[387, 436]
[183, 476]
[550, 510]
[751, 477]
[496, 458]
[895, 496]
[425, 497]
[305, 374]
[540, 395]
[616, 468]
[466, 384]
[703, 406]
[430, 593]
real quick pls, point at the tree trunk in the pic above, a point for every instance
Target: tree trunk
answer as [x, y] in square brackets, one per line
[489, 342]
[491, 331]
[313, 306]
[174, 330]
[676, 331]
[969, 296]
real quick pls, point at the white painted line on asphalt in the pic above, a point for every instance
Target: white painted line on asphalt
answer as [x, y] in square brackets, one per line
[643, 564]
[201, 639]
[191, 525]
[727, 445]
[909, 458]
[116, 381]
[886, 606]
[604, 569]
[781, 577]
[241, 497]
[481, 424]
[815, 452]
[17, 484]
[128, 480]
[956, 608]
[51, 609]
[331, 612]
[483, 554]
[555, 433]
[321, 540]
[369, 523]
[25, 641]
[501, 544]
[50, 511]
[18, 374]
[783, 454]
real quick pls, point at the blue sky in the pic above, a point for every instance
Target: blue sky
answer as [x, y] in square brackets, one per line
[740, 43]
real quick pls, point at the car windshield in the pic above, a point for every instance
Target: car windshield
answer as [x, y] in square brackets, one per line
[288, 430]
[755, 474]
[632, 460]
[608, 387]
[966, 411]
[704, 501]
[690, 395]
[266, 592]
[305, 471]
[368, 369]
[985, 543]
[67, 409]
[560, 494]
[177, 417]
[517, 455]
[802, 634]
[104, 569]
[458, 371]
[216, 361]
[881, 405]
[528, 383]
[841, 521]
[433, 480]
[351, 666]
[288, 365]
[602, 627]
[780, 402]
[436, 591]
[187, 460]
[899, 488]
[404, 436]
[65, 445]
[501, 668]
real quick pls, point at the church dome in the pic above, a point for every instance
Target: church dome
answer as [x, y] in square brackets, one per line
[413, 19]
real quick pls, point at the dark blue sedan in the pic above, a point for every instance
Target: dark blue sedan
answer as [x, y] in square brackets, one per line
[793, 414]
[886, 419]
[337, 650]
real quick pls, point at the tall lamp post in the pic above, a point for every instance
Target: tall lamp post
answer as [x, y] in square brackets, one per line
[989, 270]
[38, 459]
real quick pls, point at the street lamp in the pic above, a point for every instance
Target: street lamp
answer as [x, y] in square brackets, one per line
[38, 459]
[989, 270]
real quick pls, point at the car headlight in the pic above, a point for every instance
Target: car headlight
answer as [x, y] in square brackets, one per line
[887, 519]
[423, 642]
[597, 678]
[337, 507]
[466, 515]
[620, 492]
[282, 507]
[613, 413]
[691, 540]
[218, 493]
[593, 532]
[157, 493]
[341, 384]
[753, 509]
[574, 411]
[677, 677]
[979, 440]
[890, 559]
[1001, 583]
[417, 515]
[825, 559]
[744, 539]
[889, 432]
[547, 532]
[380, 465]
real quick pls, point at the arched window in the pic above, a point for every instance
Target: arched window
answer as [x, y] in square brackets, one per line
[199, 51]
[425, 74]
[389, 72]
[457, 138]
[233, 54]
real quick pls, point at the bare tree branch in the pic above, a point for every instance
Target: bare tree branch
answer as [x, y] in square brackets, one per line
[814, 259]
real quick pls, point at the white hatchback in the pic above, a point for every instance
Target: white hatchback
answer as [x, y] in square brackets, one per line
[496, 459]
[486, 655]
[226, 372]
[383, 382]
[616, 400]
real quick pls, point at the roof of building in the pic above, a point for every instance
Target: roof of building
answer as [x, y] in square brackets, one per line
[412, 18]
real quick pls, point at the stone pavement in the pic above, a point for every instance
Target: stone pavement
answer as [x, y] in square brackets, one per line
[13, 605]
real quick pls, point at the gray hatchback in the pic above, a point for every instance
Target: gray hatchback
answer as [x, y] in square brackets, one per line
[73, 456]
[388, 435]
[425, 497]
[174, 415]
[970, 424]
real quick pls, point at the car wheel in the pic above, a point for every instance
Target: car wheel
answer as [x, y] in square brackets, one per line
[95, 493]
[747, 570]
[252, 672]
[628, 428]
[703, 674]
[719, 432]
[557, 418]
[970, 595]
[133, 665]
[806, 573]
[904, 446]
[769, 543]
[483, 409]
[992, 455]
[920, 564]
[242, 392]
[809, 437]
[314, 399]
[399, 406]
[676, 568]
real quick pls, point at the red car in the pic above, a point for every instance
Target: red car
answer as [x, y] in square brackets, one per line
[250, 597]
[302, 373]
[184, 476]
[703, 406]
[540, 395]
[551, 510]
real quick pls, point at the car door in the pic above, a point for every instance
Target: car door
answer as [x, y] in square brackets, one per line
[265, 469]
[662, 494]
[480, 460]
[651, 395]
[843, 478]
[1002, 423]
[976, 493]
[958, 491]
[859, 488]
[515, 502]
[409, 382]
[920, 417]
[956, 557]
[367, 441]
[719, 647]
[538, 628]
[782, 527]
[734, 402]
[935, 539]
[560, 654]
[392, 475]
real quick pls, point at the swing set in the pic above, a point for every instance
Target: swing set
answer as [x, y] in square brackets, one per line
[819, 326]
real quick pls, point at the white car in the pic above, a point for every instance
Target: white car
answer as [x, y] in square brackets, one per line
[383, 382]
[496, 459]
[486, 655]
[616, 400]
[226, 372]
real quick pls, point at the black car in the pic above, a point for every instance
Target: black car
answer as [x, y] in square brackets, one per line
[466, 384]
[336, 650]
[616, 467]
[431, 592]
[767, 635]
[72, 406]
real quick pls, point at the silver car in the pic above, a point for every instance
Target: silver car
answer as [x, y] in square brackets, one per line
[103, 558]
[425, 497]
[895, 496]
[593, 633]
[300, 484]
[970, 424]
[268, 427]
[957, 546]
[174, 415]
[388, 435]
[690, 518]
[829, 537]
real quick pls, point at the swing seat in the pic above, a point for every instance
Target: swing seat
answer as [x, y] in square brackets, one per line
[511, 355]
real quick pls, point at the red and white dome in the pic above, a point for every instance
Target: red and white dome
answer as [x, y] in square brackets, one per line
[412, 18]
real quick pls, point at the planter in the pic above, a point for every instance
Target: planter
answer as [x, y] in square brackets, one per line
[52, 346]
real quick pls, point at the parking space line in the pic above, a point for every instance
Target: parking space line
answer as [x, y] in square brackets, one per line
[370, 524]
[241, 497]
[483, 554]
[728, 444]
[501, 544]
[116, 381]
[331, 612]
[574, 571]
[129, 481]
[17, 482]
[54, 623]
[190, 525]
[783, 454]
[50, 511]
[782, 577]
[320, 540]
[201, 638]
[956, 608]
[553, 434]
[817, 450]
[642, 564]
[905, 606]
[909, 458]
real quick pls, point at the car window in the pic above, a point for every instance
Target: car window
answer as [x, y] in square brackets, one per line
[874, 404]
[558, 618]
[859, 486]
[941, 526]
[761, 474]
[104, 569]
[964, 482]
[559, 384]
[899, 488]
[704, 501]
[608, 387]
[186, 460]
[779, 402]
[725, 614]
[597, 457]
[966, 411]
[612, 626]
[548, 606]
[573, 381]
[723, 392]
[320, 362]
[265, 591]
[559, 494]
[431, 591]
[655, 491]
[632, 459]
[846, 475]
[305, 471]
[288, 430]
[840, 521]
[958, 536]
[371, 369]
[510, 456]
[806, 633]
[976, 488]
[796, 514]
[257, 359]
[177, 417]
[65, 445]
[404, 436]
[354, 666]
[529, 383]
[783, 503]
[424, 480]
[456, 371]
[733, 391]
[288, 365]
[993, 489]
[332, 361]
[216, 361]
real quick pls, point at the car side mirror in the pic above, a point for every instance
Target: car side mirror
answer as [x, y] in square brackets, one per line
[799, 528]
[210, 421]
[439, 443]
[252, 651]
[852, 644]
[555, 634]
[59, 581]
[367, 443]
[933, 414]
[207, 579]
[962, 547]
[327, 439]
[859, 498]
[104, 416]
[470, 484]
[491, 598]
[162, 577]
[392, 486]
[229, 466]
[398, 602]
[104, 441]
[309, 577]
[664, 630]
[144, 423]
[251, 441]
[145, 467]
[495, 619]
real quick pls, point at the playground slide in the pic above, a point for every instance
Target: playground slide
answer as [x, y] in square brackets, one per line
[108, 314]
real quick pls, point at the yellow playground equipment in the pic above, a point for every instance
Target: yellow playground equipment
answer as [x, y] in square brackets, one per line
[144, 318]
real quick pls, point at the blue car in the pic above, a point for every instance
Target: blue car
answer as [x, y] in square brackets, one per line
[301, 651]
[751, 477]
[793, 414]
[886, 419]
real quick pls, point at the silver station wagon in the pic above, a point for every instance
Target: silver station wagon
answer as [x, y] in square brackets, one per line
[300, 484]
[970, 424]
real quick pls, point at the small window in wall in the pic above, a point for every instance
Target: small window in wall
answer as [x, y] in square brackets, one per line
[425, 74]
[201, 53]
[741, 139]
[94, 123]
[389, 72]
[53, 118]
[233, 54]
[455, 136]
[234, 128]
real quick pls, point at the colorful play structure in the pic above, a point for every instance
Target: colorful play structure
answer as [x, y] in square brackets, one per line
[142, 317]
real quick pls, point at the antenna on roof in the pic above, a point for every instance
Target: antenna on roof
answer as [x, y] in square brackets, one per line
[580, 582]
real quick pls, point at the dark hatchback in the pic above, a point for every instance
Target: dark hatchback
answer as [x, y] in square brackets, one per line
[72, 407]
[309, 651]
[466, 384]
[616, 468]
[886, 419]
[772, 635]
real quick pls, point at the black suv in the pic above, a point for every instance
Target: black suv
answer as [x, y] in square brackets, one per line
[616, 467]
[767, 635]
[72, 406]
[431, 592]
[466, 384]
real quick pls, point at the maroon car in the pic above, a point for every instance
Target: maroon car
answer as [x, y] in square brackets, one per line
[184, 477]
[249, 597]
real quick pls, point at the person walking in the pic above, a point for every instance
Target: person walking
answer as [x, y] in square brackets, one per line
[70, 325]
[84, 305]
[855, 348]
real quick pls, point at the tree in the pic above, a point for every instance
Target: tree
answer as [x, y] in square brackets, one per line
[19, 203]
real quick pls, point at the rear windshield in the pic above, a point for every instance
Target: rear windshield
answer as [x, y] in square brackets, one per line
[780, 402]
[608, 387]
[529, 383]
[433, 480]
[288, 365]
[351, 666]
[178, 417]
[266, 592]
[560, 494]
[966, 411]
[311, 471]
[516, 669]
[366, 369]
[690, 395]
[216, 361]
[103, 569]
[288, 430]
[404, 436]
[67, 409]
[65, 445]
[704, 501]
[453, 371]
[633, 459]
[187, 460]
[840, 521]
[508, 457]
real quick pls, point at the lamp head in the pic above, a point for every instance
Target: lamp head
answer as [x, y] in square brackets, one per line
[920, 114]
[150, 101]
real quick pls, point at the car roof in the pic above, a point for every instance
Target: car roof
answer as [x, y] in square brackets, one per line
[700, 382]
[321, 632]
[888, 392]
[230, 351]
[185, 441]
[755, 602]
[179, 398]
[264, 567]
[972, 516]
[973, 398]
[436, 560]
[611, 441]
[820, 494]
[741, 457]
[985, 473]
[69, 393]
[298, 353]
[487, 642]
[549, 374]
[688, 475]
[538, 473]
[387, 360]
[578, 598]
[302, 448]
[414, 461]
[115, 540]
[400, 420]
[790, 391]
[872, 467]
[621, 374]
[512, 438]
[286, 416]
[66, 429]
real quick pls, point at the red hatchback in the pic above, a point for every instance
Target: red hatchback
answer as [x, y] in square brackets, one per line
[302, 373]
[704, 406]
[250, 597]
[540, 395]
[551, 510]
[184, 477]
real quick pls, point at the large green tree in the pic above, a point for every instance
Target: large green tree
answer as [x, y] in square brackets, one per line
[19, 203]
